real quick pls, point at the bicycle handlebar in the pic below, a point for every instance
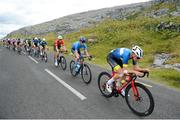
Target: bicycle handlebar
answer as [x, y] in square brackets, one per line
[134, 76]
[144, 74]
[85, 56]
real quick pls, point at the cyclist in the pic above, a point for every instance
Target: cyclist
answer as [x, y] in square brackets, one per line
[43, 46]
[76, 49]
[18, 42]
[28, 43]
[58, 46]
[36, 42]
[118, 60]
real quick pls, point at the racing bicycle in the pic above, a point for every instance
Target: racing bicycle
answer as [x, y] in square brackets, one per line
[81, 68]
[138, 98]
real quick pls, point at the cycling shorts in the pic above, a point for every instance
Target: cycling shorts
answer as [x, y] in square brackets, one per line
[59, 47]
[73, 51]
[114, 62]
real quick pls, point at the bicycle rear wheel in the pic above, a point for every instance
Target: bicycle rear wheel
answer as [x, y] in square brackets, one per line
[102, 80]
[63, 62]
[142, 104]
[86, 73]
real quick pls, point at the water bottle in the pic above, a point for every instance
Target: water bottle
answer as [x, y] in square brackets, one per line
[77, 67]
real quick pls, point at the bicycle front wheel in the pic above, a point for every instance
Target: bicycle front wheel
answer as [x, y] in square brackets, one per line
[86, 73]
[139, 99]
[63, 62]
[45, 57]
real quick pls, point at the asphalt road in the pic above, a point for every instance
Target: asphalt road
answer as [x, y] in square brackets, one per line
[28, 90]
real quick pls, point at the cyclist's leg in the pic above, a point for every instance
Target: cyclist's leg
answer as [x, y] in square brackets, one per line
[41, 50]
[56, 53]
[116, 66]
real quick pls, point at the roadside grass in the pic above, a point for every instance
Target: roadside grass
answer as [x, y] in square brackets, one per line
[169, 77]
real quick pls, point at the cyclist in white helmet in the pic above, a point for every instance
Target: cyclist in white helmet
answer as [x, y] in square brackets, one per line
[118, 60]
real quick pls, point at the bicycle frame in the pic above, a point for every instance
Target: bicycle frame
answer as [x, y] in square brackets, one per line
[131, 81]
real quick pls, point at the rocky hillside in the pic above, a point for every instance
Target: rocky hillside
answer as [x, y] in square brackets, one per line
[74, 22]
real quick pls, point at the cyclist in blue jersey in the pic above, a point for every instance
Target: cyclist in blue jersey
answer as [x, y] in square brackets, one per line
[118, 60]
[43, 46]
[81, 44]
[35, 42]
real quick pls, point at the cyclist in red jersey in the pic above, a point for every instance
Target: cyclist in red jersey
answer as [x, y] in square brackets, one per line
[58, 46]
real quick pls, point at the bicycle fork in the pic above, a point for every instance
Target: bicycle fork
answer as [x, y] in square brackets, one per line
[135, 91]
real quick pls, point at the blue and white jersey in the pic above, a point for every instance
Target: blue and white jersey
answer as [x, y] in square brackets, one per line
[123, 54]
[43, 43]
[77, 46]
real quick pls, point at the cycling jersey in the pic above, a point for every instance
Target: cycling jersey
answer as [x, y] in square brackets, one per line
[58, 43]
[120, 56]
[36, 42]
[18, 42]
[43, 44]
[77, 46]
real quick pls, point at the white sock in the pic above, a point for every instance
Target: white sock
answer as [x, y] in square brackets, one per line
[110, 82]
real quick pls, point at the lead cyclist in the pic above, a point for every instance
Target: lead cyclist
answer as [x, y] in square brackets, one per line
[118, 60]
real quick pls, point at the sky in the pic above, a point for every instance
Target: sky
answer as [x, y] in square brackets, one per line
[15, 14]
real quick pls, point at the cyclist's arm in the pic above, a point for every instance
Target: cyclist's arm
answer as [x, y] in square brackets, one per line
[76, 54]
[137, 68]
[87, 54]
[57, 48]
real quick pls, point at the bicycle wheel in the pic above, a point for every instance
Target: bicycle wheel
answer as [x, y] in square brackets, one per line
[63, 62]
[102, 80]
[45, 57]
[72, 68]
[142, 104]
[86, 73]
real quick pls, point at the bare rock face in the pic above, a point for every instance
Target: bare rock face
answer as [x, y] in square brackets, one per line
[160, 59]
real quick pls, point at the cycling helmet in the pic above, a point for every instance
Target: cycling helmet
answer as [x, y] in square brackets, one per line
[60, 37]
[43, 39]
[137, 51]
[35, 38]
[82, 39]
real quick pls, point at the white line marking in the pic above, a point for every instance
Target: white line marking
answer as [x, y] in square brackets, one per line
[33, 59]
[66, 85]
[23, 52]
[145, 84]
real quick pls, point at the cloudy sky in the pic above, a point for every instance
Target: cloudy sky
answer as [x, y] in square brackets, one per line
[15, 14]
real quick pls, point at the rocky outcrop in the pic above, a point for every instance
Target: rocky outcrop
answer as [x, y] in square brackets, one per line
[160, 59]
[168, 25]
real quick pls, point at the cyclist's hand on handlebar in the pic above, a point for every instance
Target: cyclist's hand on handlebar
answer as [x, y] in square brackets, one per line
[90, 57]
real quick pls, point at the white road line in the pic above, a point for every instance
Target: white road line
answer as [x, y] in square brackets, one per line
[82, 97]
[33, 59]
[145, 84]
[23, 52]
